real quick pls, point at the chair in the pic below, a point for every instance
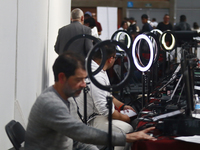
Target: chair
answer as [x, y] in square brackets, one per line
[16, 133]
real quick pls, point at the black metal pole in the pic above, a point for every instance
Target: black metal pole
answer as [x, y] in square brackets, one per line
[85, 91]
[85, 105]
[143, 89]
[122, 73]
[148, 86]
[109, 106]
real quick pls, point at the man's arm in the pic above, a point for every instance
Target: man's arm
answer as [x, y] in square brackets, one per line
[57, 117]
[119, 116]
[119, 104]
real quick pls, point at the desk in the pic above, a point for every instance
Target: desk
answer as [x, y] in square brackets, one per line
[164, 143]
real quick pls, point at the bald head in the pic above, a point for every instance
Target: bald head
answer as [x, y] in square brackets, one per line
[77, 14]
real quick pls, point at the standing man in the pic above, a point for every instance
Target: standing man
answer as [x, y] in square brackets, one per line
[81, 46]
[146, 26]
[165, 25]
[182, 25]
[133, 27]
[51, 125]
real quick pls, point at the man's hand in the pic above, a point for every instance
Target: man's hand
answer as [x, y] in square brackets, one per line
[140, 135]
[128, 107]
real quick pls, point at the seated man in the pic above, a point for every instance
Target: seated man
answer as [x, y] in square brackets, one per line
[51, 125]
[97, 112]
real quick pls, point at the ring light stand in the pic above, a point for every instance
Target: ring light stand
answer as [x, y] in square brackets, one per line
[142, 68]
[109, 88]
[156, 48]
[86, 89]
[116, 36]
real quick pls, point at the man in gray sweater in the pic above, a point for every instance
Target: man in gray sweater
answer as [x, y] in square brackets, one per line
[50, 124]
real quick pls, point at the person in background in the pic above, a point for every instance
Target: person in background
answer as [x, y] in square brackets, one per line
[182, 25]
[128, 21]
[133, 27]
[146, 26]
[96, 99]
[98, 24]
[123, 37]
[154, 23]
[165, 24]
[87, 15]
[90, 22]
[195, 27]
[80, 46]
[123, 26]
[51, 126]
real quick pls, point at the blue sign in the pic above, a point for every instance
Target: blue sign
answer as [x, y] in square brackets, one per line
[129, 4]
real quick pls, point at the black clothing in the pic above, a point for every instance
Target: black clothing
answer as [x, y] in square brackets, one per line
[132, 28]
[146, 28]
[163, 27]
[182, 26]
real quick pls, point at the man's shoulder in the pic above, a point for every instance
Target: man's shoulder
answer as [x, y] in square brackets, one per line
[47, 95]
[86, 28]
[160, 23]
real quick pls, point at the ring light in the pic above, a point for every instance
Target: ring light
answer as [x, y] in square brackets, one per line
[88, 37]
[116, 36]
[103, 53]
[135, 59]
[89, 61]
[163, 43]
[156, 47]
[157, 30]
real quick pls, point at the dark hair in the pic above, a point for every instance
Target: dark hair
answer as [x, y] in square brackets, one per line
[91, 22]
[67, 63]
[195, 25]
[166, 15]
[110, 51]
[153, 19]
[122, 23]
[144, 16]
[182, 18]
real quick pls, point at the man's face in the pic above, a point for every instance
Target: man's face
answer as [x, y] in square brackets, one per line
[94, 16]
[125, 26]
[144, 20]
[74, 84]
[166, 19]
[112, 61]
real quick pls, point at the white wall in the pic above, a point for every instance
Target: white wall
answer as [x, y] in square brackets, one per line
[107, 16]
[8, 17]
[27, 36]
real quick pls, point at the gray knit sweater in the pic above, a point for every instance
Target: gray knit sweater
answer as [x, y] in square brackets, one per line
[52, 127]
